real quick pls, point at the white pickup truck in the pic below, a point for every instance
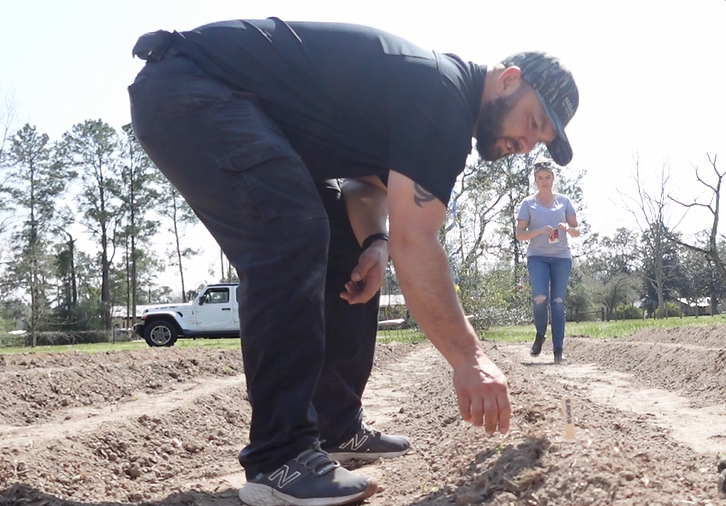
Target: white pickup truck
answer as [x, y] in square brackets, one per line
[214, 313]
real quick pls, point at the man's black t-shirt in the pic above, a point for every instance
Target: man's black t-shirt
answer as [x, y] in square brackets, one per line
[352, 100]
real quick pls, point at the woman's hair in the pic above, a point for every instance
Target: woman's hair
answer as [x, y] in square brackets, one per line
[546, 166]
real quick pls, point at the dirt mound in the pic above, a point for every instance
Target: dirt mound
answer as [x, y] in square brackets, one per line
[689, 360]
[164, 426]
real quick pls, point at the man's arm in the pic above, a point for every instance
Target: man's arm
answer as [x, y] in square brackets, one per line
[424, 275]
[366, 202]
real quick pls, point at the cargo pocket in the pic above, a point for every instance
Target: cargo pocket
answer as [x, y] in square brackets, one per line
[276, 190]
[259, 164]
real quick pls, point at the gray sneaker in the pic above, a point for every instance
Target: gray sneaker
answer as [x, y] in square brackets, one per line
[310, 479]
[369, 444]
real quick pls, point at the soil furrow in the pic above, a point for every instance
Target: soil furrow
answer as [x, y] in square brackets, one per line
[164, 426]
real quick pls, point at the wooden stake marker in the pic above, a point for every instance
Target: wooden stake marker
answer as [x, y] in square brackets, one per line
[569, 418]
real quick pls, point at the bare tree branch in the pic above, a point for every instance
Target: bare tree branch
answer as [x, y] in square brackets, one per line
[714, 206]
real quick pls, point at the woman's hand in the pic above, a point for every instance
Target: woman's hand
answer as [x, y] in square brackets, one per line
[547, 229]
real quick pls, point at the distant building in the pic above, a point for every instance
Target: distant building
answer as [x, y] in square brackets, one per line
[122, 319]
[699, 307]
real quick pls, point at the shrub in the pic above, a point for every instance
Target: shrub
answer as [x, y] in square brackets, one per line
[11, 340]
[57, 338]
[502, 317]
[673, 309]
[628, 312]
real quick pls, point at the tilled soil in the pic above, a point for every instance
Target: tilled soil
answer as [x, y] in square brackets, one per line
[164, 426]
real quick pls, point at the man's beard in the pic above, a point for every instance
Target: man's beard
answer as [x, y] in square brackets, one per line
[489, 128]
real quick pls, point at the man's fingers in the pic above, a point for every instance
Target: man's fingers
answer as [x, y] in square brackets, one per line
[351, 293]
[464, 407]
[491, 415]
[477, 411]
[471, 409]
[504, 409]
[358, 292]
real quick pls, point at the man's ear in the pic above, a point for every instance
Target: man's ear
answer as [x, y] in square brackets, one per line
[509, 80]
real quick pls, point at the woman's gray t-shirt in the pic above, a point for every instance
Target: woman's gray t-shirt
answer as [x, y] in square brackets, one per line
[538, 216]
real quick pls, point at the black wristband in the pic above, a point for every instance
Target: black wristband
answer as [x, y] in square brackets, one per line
[373, 238]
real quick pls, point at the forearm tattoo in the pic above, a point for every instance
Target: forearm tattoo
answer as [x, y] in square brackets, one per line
[421, 196]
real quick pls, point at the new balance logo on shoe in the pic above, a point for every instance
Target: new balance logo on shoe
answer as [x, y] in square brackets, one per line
[283, 477]
[355, 443]
[369, 444]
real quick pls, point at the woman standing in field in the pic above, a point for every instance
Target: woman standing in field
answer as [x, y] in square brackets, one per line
[546, 219]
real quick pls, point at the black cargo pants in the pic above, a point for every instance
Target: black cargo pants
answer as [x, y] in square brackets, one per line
[307, 353]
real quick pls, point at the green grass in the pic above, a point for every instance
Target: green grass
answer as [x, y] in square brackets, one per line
[511, 333]
[401, 335]
[602, 329]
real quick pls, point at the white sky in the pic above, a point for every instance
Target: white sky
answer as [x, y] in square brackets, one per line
[651, 74]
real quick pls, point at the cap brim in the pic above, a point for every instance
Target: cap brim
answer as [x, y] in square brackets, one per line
[559, 148]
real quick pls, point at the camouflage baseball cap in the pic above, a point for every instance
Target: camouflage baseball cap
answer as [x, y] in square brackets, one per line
[557, 92]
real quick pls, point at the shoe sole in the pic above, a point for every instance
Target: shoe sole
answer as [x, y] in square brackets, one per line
[346, 456]
[256, 494]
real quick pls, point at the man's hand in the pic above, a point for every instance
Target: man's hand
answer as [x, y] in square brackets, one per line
[367, 277]
[483, 395]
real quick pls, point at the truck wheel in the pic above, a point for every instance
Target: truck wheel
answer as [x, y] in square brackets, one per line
[159, 333]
